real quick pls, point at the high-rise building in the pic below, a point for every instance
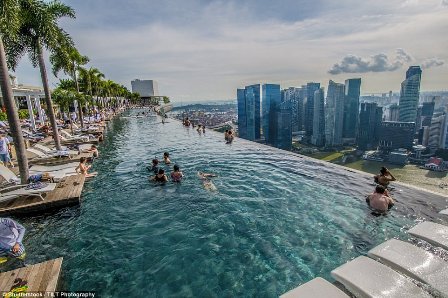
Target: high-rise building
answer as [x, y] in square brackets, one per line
[283, 137]
[394, 113]
[396, 135]
[437, 132]
[271, 101]
[334, 114]
[369, 126]
[351, 109]
[427, 113]
[311, 88]
[249, 103]
[300, 97]
[146, 88]
[409, 94]
[318, 137]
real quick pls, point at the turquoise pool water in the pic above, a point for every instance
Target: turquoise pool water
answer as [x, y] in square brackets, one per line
[276, 221]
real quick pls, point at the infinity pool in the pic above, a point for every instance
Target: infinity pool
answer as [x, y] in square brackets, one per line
[276, 221]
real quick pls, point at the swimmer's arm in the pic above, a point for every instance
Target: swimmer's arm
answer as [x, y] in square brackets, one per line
[392, 178]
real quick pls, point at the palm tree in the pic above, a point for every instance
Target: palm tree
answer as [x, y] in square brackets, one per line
[68, 59]
[39, 28]
[9, 24]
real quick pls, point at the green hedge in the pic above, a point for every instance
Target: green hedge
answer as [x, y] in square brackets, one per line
[23, 114]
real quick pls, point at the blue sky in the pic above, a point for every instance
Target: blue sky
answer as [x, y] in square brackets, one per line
[203, 50]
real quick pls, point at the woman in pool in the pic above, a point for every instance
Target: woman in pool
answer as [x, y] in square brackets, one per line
[166, 158]
[384, 178]
[160, 177]
[226, 135]
[155, 166]
[229, 137]
[83, 168]
[176, 175]
[206, 182]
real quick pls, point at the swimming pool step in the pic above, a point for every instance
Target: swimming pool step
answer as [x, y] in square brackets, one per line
[365, 277]
[434, 233]
[414, 262]
[317, 287]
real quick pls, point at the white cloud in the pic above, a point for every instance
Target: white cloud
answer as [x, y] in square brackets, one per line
[432, 62]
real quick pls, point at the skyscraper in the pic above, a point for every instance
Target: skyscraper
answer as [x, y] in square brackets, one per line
[282, 125]
[300, 97]
[318, 137]
[427, 112]
[409, 94]
[351, 108]
[396, 135]
[334, 114]
[271, 100]
[370, 118]
[394, 113]
[309, 107]
[249, 112]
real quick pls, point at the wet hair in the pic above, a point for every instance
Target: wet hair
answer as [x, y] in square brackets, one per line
[166, 154]
[380, 189]
[155, 161]
[383, 170]
[227, 131]
[176, 168]
[82, 159]
[161, 171]
[230, 132]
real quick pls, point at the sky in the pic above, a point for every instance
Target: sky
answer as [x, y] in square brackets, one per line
[205, 50]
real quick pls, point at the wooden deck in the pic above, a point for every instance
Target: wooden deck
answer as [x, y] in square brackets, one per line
[67, 193]
[41, 277]
[58, 160]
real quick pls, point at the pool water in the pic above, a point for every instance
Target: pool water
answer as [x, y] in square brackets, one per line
[277, 220]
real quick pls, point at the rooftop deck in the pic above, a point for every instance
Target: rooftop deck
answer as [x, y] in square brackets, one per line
[41, 277]
[67, 193]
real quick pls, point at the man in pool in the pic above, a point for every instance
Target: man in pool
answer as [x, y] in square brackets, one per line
[384, 178]
[155, 166]
[166, 158]
[11, 236]
[160, 177]
[206, 182]
[379, 200]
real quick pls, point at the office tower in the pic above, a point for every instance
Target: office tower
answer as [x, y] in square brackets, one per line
[418, 118]
[271, 101]
[394, 112]
[300, 97]
[427, 113]
[334, 114]
[242, 116]
[283, 137]
[369, 126]
[146, 88]
[437, 132]
[249, 112]
[396, 135]
[351, 109]
[309, 107]
[318, 136]
[289, 95]
[409, 94]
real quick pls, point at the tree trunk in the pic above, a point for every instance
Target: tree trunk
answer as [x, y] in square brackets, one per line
[75, 76]
[48, 101]
[13, 116]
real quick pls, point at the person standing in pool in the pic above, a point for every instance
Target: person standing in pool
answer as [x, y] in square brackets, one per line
[229, 137]
[176, 175]
[379, 200]
[166, 158]
[11, 236]
[160, 177]
[226, 135]
[155, 166]
[384, 178]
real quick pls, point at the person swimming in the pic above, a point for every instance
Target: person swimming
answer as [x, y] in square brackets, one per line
[230, 137]
[166, 158]
[155, 166]
[206, 182]
[380, 201]
[384, 178]
[160, 177]
[176, 175]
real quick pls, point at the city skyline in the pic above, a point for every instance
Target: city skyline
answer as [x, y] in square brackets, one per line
[204, 50]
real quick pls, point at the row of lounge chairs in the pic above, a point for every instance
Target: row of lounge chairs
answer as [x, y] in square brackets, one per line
[392, 269]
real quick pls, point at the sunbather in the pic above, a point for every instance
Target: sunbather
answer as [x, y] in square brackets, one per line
[83, 168]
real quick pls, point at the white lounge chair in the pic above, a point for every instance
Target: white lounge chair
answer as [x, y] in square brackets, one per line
[9, 193]
[8, 175]
[365, 277]
[413, 262]
[433, 233]
[65, 135]
[50, 151]
[43, 168]
[317, 287]
[444, 212]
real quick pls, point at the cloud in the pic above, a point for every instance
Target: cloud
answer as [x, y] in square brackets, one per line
[445, 2]
[376, 63]
[432, 62]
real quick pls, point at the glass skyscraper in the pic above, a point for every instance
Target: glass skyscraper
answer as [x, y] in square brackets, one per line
[318, 137]
[370, 118]
[334, 114]
[309, 107]
[409, 95]
[249, 103]
[351, 108]
[271, 101]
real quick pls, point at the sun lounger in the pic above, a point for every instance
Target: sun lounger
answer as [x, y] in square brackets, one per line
[8, 175]
[444, 212]
[69, 137]
[22, 190]
[317, 287]
[49, 151]
[433, 233]
[43, 168]
[365, 277]
[413, 262]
